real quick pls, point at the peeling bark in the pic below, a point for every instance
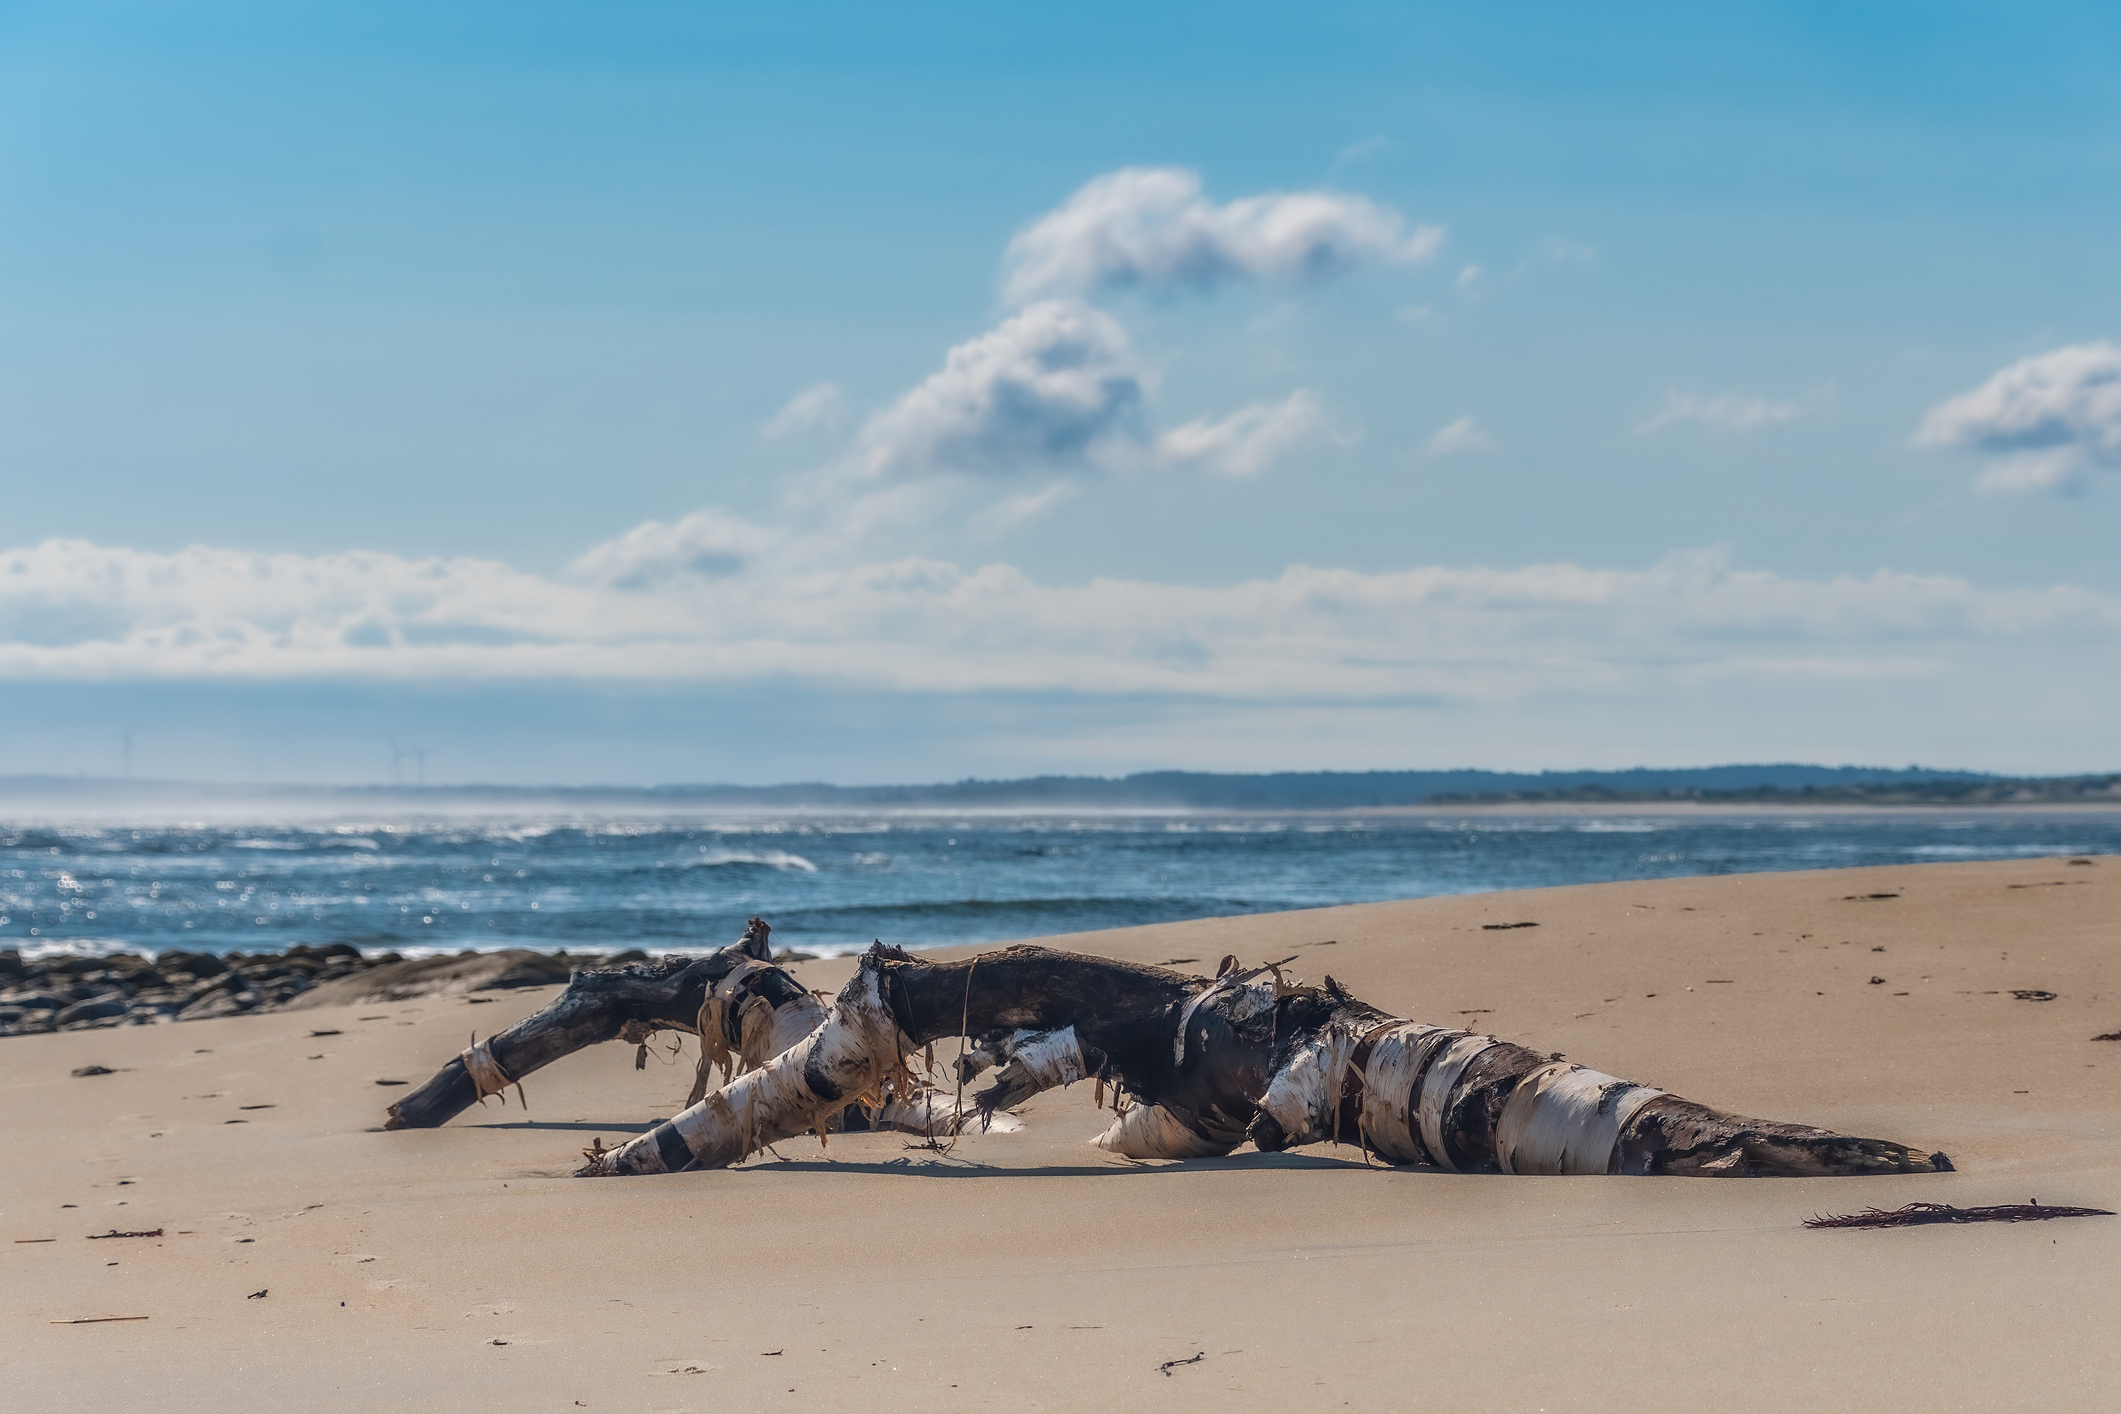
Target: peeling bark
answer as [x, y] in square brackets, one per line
[1210, 1064]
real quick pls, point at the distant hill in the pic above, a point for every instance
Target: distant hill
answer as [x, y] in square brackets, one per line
[1786, 783]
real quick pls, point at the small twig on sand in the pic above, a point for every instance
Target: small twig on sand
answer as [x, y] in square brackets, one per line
[1169, 1365]
[1916, 1214]
[96, 1320]
[99, 1236]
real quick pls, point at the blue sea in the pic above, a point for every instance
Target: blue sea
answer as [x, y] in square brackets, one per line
[828, 885]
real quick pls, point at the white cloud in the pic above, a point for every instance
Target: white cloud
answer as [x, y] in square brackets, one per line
[703, 545]
[1361, 150]
[1728, 412]
[1467, 276]
[1056, 387]
[1010, 512]
[1464, 435]
[2049, 419]
[1050, 386]
[819, 408]
[1150, 226]
[1247, 441]
[2055, 469]
[73, 610]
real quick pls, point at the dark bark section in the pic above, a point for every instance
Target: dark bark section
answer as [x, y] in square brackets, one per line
[663, 995]
[1123, 1014]
[1476, 1108]
[1679, 1137]
[1112, 1005]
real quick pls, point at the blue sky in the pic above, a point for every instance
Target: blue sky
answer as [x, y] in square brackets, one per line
[663, 393]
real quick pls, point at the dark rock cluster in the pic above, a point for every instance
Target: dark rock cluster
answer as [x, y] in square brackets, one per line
[126, 989]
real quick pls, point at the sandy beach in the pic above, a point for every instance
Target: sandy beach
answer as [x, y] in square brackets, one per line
[308, 1261]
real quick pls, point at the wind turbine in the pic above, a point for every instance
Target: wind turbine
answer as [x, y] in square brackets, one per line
[419, 755]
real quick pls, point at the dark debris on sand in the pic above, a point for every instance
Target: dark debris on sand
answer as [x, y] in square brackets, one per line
[1919, 1214]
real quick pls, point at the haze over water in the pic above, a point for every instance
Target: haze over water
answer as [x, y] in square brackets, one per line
[831, 884]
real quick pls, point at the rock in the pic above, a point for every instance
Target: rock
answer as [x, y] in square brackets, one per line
[36, 1001]
[437, 976]
[92, 1011]
[82, 1070]
[219, 1003]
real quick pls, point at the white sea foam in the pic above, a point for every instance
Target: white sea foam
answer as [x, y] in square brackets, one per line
[771, 858]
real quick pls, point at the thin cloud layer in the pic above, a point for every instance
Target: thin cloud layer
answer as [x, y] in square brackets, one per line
[822, 407]
[1247, 441]
[703, 545]
[74, 610]
[1464, 435]
[1728, 412]
[1151, 227]
[2048, 419]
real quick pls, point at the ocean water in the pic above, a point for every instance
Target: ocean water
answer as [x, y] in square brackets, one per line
[832, 884]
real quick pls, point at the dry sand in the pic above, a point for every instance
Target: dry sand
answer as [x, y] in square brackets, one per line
[461, 1268]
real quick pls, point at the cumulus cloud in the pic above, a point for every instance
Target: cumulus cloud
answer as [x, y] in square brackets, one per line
[1464, 435]
[1247, 441]
[73, 610]
[1150, 226]
[819, 408]
[2048, 419]
[1056, 387]
[1728, 412]
[1052, 385]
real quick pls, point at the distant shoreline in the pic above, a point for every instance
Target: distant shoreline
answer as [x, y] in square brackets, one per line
[1735, 789]
[293, 809]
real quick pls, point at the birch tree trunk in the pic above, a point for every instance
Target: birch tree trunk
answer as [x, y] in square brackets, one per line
[1210, 1064]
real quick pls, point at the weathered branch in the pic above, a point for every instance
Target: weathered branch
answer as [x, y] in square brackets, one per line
[1247, 1056]
[744, 1009]
[601, 1005]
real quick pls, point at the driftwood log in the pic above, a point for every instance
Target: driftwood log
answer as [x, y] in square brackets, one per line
[744, 1009]
[1208, 1065]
